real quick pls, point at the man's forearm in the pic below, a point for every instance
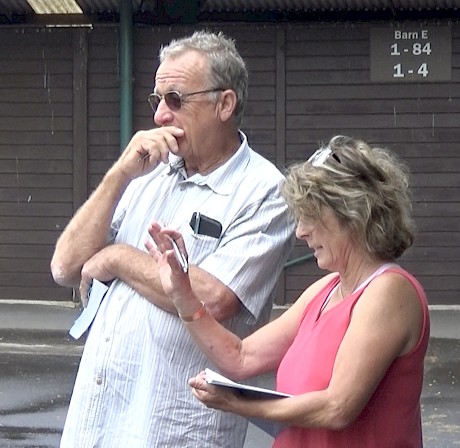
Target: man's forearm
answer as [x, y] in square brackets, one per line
[139, 270]
[87, 232]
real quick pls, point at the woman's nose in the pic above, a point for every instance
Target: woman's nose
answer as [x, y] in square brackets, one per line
[303, 231]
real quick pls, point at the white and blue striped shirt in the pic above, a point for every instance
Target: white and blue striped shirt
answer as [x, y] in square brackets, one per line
[131, 389]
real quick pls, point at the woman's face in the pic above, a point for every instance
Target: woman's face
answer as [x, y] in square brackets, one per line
[329, 240]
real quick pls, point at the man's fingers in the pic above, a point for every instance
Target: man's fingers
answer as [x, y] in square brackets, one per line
[84, 289]
[155, 145]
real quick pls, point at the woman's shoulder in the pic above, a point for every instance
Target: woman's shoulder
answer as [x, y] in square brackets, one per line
[395, 281]
[394, 300]
[392, 285]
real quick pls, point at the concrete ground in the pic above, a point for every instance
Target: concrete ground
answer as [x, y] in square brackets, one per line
[38, 364]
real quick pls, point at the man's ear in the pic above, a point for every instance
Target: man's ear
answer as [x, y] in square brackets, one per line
[226, 104]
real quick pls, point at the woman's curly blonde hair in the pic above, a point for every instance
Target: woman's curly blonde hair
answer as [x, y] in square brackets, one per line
[367, 188]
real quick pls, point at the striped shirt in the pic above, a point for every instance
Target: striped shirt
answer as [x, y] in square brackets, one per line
[131, 388]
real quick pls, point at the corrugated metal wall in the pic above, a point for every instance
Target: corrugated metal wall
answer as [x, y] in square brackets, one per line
[307, 83]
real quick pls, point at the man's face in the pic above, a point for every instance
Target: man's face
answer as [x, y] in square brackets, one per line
[197, 115]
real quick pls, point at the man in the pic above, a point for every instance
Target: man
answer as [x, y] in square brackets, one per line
[196, 173]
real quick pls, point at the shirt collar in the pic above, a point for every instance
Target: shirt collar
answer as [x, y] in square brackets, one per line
[220, 180]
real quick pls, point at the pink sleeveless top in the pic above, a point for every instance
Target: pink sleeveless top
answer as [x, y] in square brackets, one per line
[392, 417]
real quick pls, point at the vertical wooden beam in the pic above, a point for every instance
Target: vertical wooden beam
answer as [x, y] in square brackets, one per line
[80, 114]
[280, 120]
[280, 96]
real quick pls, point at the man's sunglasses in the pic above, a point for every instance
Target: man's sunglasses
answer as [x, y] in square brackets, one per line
[174, 99]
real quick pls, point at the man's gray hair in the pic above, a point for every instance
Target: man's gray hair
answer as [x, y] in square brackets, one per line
[226, 69]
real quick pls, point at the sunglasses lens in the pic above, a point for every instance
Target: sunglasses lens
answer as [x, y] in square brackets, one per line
[173, 100]
[154, 101]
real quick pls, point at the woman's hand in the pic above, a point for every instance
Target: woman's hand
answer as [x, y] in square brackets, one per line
[212, 396]
[174, 279]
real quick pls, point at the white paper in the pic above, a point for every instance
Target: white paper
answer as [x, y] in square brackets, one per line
[270, 427]
[97, 293]
[250, 391]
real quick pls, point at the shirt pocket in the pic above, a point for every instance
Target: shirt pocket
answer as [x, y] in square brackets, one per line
[198, 246]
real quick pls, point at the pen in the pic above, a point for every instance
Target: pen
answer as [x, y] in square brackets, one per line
[179, 255]
[141, 159]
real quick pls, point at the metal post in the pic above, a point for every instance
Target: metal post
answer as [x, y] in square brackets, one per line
[126, 76]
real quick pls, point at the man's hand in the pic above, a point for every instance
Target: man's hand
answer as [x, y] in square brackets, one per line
[97, 267]
[147, 149]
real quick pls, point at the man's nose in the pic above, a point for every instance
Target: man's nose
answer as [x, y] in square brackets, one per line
[163, 115]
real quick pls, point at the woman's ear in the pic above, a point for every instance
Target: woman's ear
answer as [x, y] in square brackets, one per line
[226, 104]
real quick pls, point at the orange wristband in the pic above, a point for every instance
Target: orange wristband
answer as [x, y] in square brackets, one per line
[196, 315]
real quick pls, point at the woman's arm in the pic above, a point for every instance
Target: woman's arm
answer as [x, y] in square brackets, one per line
[386, 324]
[238, 359]
[260, 352]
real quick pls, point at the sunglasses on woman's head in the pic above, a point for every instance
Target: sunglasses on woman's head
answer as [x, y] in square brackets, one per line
[174, 99]
[320, 156]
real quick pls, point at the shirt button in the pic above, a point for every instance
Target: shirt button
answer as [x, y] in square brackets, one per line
[107, 339]
[98, 380]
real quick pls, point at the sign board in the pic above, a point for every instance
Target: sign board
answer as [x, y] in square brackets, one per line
[411, 54]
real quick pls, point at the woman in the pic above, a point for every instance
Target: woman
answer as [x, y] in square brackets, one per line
[351, 349]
